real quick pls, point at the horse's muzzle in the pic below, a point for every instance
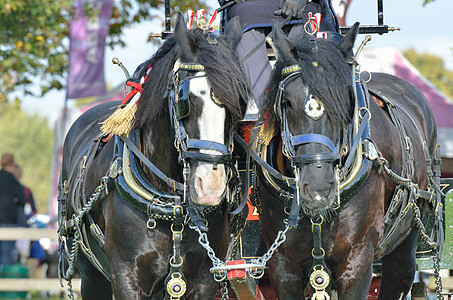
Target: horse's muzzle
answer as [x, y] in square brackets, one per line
[318, 185]
[209, 184]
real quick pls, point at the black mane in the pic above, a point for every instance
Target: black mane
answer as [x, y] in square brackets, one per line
[326, 74]
[223, 71]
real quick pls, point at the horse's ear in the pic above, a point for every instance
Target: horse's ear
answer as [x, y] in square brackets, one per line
[282, 46]
[233, 31]
[347, 42]
[186, 44]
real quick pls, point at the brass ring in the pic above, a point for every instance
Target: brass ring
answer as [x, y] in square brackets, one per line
[410, 204]
[344, 150]
[150, 221]
[182, 228]
[313, 252]
[369, 79]
[285, 209]
[313, 223]
[172, 259]
[203, 23]
[367, 110]
[311, 20]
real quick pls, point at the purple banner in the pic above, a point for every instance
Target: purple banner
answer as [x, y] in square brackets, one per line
[86, 51]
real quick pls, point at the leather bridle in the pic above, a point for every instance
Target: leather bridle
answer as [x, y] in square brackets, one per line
[190, 148]
[290, 141]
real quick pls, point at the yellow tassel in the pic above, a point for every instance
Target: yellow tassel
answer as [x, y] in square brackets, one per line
[267, 133]
[120, 122]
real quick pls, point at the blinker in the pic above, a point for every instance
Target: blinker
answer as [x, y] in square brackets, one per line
[182, 100]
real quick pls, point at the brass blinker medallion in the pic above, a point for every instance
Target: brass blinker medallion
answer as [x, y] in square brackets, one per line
[176, 286]
[319, 280]
[313, 108]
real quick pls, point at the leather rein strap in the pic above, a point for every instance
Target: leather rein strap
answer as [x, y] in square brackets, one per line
[261, 161]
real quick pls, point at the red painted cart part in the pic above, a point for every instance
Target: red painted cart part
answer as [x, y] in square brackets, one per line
[243, 285]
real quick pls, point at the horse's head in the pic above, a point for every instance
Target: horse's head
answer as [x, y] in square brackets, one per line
[208, 93]
[311, 92]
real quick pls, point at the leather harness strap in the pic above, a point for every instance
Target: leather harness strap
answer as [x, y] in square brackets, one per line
[364, 125]
[262, 162]
[170, 182]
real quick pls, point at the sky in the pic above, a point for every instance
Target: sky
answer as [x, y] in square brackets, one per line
[425, 28]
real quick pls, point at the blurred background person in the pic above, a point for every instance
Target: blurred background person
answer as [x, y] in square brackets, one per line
[12, 196]
[27, 249]
[24, 213]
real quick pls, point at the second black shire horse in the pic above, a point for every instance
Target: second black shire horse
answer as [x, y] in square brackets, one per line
[337, 209]
[126, 203]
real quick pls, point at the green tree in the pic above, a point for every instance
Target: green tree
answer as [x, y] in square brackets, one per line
[30, 139]
[433, 68]
[34, 40]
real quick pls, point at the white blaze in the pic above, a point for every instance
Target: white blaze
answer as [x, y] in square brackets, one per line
[210, 183]
[212, 121]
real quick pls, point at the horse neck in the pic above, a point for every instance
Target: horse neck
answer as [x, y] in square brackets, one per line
[157, 142]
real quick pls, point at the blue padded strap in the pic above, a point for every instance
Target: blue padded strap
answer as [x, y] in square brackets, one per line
[313, 138]
[206, 145]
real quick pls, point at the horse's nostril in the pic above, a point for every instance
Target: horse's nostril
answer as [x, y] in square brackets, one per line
[304, 188]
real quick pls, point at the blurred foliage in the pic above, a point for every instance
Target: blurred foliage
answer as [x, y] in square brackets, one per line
[447, 255]
[433, 68]
[35, 38]
[30, 139]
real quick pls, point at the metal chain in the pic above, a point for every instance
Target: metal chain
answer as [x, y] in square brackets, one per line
[77, 235]
[254, 273]
[72, 258]
[438, 279]
[216, 262]
[418, 222]
[407, 182]
[224, 290]
[433, 246]
[281, 237]
[424, 236]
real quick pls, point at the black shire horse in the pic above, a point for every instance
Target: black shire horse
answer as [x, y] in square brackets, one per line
[127, 200]
[337, 212]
